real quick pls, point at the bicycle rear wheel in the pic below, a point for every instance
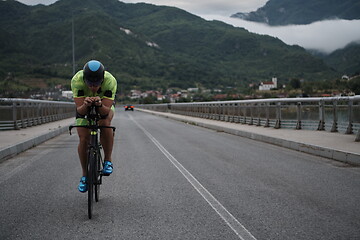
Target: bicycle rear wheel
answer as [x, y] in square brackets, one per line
[91, 180]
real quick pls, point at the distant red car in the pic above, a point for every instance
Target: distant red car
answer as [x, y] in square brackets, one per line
[129, 108]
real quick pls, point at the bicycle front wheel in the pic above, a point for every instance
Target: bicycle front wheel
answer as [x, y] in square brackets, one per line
[91, 180]
[98, 176]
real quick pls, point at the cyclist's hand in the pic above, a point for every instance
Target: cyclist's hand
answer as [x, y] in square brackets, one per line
[88, 101]
[97, 101]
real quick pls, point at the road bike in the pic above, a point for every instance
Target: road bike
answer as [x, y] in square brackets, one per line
[95, 161]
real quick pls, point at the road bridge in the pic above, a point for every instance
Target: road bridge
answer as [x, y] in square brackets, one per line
[175, 180]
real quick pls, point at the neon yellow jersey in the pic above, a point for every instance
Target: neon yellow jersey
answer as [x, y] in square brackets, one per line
[107, 89]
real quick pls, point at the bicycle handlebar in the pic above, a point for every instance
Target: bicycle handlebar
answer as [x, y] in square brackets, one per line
[92, 115]
[95, 127]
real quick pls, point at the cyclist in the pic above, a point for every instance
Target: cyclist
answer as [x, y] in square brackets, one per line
[94, 85]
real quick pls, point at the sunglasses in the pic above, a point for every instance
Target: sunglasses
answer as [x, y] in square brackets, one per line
[93, 83]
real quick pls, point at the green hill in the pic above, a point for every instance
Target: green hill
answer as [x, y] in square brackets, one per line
[346, 60]
[285, 12]
[143, 45]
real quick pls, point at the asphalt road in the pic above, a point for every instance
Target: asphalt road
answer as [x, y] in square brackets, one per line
[177, 181]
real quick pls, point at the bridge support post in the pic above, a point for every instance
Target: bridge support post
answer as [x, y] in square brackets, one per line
[258, 109]
[244, 114]
[278, 115]
[267, 123]
[335, 117]
[251, 116]
[299, 117]
[349, 129]
[357, 139]
[321, 125]
[23, 124]
[14, 115]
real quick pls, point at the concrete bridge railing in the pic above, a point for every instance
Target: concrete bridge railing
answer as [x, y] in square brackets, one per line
[21, 113]
[334, 114]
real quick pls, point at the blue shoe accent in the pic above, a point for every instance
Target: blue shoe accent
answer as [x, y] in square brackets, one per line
[82, 185]
[108, 168]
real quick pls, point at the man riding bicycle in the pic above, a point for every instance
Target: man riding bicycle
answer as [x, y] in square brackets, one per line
[94, 86]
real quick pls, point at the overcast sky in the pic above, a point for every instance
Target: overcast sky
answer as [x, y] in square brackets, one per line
[325, 36]
[198, 7]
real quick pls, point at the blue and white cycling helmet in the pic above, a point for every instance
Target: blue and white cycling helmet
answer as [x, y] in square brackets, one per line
[94, 73]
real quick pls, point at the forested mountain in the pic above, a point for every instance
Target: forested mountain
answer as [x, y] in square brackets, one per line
[143, 45]
[346, 60]
[285, 12]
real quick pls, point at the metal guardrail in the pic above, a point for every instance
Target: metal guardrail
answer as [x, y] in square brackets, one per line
[334, 114]
[18, 113]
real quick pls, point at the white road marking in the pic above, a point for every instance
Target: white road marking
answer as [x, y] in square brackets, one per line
[229, 219]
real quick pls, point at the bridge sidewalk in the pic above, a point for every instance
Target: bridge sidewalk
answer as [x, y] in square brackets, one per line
[13, 142]
[336, 146]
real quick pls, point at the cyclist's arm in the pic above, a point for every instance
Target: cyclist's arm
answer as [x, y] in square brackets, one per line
[107, 100]
[104, 106]
[82, 104]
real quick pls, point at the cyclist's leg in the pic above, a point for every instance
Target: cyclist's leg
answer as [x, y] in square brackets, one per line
[84, 137]
[107, 136]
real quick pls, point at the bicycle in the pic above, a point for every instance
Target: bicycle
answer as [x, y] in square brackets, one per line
[95, 161]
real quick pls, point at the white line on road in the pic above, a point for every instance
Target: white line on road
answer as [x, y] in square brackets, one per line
[229, 219]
